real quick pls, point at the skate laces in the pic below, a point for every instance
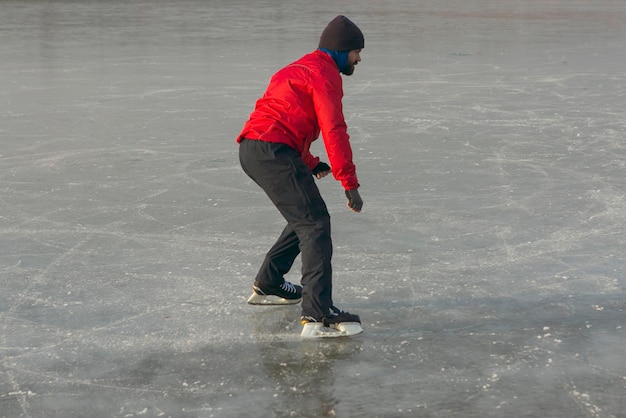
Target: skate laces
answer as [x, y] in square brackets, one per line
[338, 316]
[289, 287]
[334, 311]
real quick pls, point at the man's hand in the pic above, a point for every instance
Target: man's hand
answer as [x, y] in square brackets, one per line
[321, 170]
[355, 203]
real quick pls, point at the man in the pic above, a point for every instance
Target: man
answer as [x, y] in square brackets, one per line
[303, 100]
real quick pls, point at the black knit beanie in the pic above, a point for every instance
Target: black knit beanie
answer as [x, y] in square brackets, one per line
[342, 35]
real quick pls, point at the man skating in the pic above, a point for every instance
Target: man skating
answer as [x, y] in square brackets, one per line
[302, 101]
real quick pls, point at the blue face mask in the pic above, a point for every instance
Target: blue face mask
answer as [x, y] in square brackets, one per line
[340, 57]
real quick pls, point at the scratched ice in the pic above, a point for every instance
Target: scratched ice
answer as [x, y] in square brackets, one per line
[488, 266]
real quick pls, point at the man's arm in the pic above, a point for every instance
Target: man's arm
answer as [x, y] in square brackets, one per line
[327, 96]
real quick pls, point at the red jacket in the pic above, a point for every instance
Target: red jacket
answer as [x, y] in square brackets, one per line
[301, 100]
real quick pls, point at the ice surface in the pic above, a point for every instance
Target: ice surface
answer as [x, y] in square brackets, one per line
[488, 265]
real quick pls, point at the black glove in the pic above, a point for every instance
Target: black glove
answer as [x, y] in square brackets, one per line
[354, 200]
[320, 168]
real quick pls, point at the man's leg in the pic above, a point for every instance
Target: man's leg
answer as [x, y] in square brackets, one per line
[316, 247]
[289, 184]
[279, 259]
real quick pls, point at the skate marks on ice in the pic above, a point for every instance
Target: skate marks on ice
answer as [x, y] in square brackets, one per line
[305, 377]
[491, 350]
[487, 265]
[98, 282]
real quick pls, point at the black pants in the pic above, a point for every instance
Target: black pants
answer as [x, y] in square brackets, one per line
[279, 170]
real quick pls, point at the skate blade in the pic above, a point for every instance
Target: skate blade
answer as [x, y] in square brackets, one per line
[318, 330]
[257, 299]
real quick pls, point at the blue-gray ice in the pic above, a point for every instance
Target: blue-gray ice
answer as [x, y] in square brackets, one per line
[488, 265]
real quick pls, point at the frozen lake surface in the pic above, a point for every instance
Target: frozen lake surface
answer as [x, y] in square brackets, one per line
[488, 266]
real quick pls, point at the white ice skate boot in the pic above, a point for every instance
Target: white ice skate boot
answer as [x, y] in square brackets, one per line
[337, 324]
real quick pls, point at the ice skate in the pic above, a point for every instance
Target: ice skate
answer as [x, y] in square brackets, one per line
[285, 294]
[336, 324]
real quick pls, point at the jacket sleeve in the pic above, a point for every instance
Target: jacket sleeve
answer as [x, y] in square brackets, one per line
[327, 96]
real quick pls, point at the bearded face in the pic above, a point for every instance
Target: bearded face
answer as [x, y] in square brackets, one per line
[354, 57]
